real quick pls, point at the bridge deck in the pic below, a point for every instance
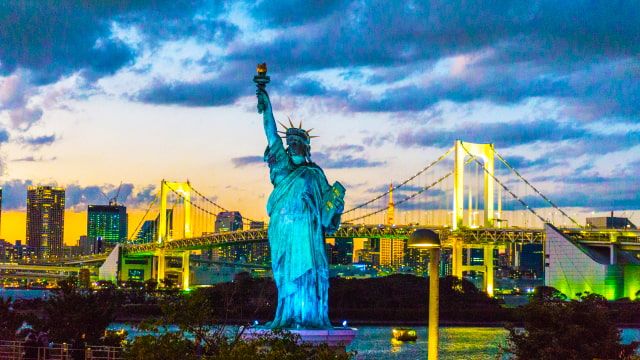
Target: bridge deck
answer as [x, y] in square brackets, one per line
[472, 236]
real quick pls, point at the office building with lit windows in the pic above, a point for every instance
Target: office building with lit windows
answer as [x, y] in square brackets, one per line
[45, 220]
[392, 252]
[228, 221]
[107, 224]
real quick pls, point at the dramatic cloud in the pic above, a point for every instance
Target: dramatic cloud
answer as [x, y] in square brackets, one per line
[247, 160]
[523, 163]
[208, 93]
[341, 148]
[527, 49]
[43, 42]
[502, 52]
[502, 134]
[586, 188]
[341, 162]
[343, 156]
[14, 195]
[80, 36]
[38, 141]
[561, 139]
[24, 118]
[79, 197]
[280, 13]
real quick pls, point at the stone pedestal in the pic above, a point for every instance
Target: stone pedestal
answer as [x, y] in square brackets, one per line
[336, 337]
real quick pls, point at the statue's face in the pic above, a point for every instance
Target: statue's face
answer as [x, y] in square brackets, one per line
[297, 151]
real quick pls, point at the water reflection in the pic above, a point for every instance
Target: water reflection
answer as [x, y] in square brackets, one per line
[396, 345]
[455, 343]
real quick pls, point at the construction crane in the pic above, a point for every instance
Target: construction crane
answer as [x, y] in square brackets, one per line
[114, 200]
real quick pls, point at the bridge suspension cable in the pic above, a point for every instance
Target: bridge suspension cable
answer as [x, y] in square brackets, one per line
[142, 220]
[436, 182]
[204, 198]
[506, 188]
[535, 189]
[393, 188]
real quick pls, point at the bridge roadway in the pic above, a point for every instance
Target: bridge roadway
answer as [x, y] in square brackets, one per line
[472, 236]
[38, 271]
[468, 236]
[41, 267]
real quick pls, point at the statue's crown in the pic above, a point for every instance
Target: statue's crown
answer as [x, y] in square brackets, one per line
[293, 132]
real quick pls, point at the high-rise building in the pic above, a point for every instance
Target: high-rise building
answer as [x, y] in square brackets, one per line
[343, 251]
[228, 221]
[366, 251]
[392, 252]
[418, 260]
[231, 221]
[19, 249]
[147, 232]
[6, 250]
[45, 220]
[88, 246]
[107, 223]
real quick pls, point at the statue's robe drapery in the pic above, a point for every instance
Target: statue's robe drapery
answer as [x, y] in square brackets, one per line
[298, 257]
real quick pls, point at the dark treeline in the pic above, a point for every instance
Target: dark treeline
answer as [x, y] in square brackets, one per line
[395, 298]
[384, 300]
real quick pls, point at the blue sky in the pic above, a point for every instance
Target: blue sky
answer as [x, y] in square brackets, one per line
[94, 93]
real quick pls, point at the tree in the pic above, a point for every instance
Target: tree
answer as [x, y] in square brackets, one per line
[165, 346]
[77, 316]
[198, 317]
[577, 329]
[548, 293]
[10, 321]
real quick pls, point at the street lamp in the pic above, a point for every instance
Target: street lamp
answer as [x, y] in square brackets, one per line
[429, 239]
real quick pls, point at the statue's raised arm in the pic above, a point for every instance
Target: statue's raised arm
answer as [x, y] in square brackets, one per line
[269, 122]
[264, 105]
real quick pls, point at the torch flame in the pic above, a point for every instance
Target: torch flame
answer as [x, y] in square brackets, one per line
[262, 68]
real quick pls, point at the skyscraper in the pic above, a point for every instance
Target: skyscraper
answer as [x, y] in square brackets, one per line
[392, 252]
[343, 251]
[108, 223]
[45, 220]
[147, 232]
[228, 221]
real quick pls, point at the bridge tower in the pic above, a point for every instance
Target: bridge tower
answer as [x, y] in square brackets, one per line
[486, 153]
[183, 189]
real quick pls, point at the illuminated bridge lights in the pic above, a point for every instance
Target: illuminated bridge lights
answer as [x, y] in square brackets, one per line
[471, 236]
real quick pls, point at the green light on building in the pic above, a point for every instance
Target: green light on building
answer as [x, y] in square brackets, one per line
[107, 222]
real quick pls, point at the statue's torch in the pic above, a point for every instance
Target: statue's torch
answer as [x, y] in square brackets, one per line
[261, 80]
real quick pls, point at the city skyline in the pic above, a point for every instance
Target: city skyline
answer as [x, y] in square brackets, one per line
[140, 93]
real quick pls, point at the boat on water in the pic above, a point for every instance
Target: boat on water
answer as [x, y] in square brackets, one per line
[404, 334]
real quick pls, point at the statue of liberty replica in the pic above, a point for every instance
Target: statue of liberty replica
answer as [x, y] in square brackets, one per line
[303, 207]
